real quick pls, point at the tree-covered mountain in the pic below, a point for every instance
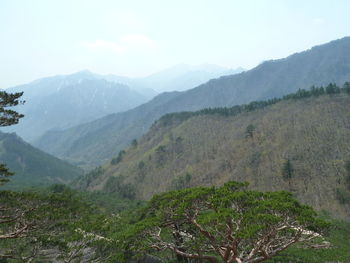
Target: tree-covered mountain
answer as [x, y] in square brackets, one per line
[31, 166]
[300, 145]
[95, 142]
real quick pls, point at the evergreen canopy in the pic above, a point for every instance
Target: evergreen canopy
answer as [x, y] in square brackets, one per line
[8, 117]
[225, 224]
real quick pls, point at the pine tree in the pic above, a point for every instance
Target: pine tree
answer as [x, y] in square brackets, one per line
[287, 169]
[8, 117]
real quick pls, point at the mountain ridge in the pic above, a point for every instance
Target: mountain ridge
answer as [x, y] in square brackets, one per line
[318, 66]
[63, 101]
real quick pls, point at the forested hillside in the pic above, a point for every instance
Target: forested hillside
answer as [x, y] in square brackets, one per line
[93, 143]
[32, 167]
[300, 144]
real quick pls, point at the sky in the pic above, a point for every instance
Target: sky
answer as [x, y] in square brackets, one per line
[40, 38]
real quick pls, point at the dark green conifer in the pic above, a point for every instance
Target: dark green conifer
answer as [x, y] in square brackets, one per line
[287, 169]
[8, 117]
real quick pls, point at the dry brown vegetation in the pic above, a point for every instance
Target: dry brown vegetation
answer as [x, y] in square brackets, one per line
[312, 133]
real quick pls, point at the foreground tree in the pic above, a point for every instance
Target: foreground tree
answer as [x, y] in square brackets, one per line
[49, 226]
[8, 117]
[226, 224]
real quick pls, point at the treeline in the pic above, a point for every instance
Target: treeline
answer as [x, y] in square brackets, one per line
[314, 91]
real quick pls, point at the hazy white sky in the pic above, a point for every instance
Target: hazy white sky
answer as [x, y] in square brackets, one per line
[40, 38]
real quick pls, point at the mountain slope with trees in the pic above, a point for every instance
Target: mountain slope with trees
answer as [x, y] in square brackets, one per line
[93, 143]
[31, 166]
[299, 144]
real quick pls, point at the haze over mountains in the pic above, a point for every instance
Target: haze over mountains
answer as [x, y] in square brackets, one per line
[64, 101]
[181, 77]
[61, 102]
[95, 142]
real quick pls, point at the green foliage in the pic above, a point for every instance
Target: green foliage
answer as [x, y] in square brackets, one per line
[332, 88]
[55, 219]
[86, 180]
[249, 131]
[287, 169]
[8, 117]
[339, 240]
[343, 196]
[115, 184]
[31, 166]
[228, 222]
[317, 91]
[119, 158]
[4, 173]
[100, 227]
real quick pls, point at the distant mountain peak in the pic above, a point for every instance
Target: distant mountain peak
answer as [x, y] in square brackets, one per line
[84, 72]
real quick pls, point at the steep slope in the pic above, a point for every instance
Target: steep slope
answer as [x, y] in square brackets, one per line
[31, 166]
[93, 143]
[319, 65]
[297, 145]
[64, 101]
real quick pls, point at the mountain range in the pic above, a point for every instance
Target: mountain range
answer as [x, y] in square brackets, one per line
[60, 102]
[93, 143]
[64, 101]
